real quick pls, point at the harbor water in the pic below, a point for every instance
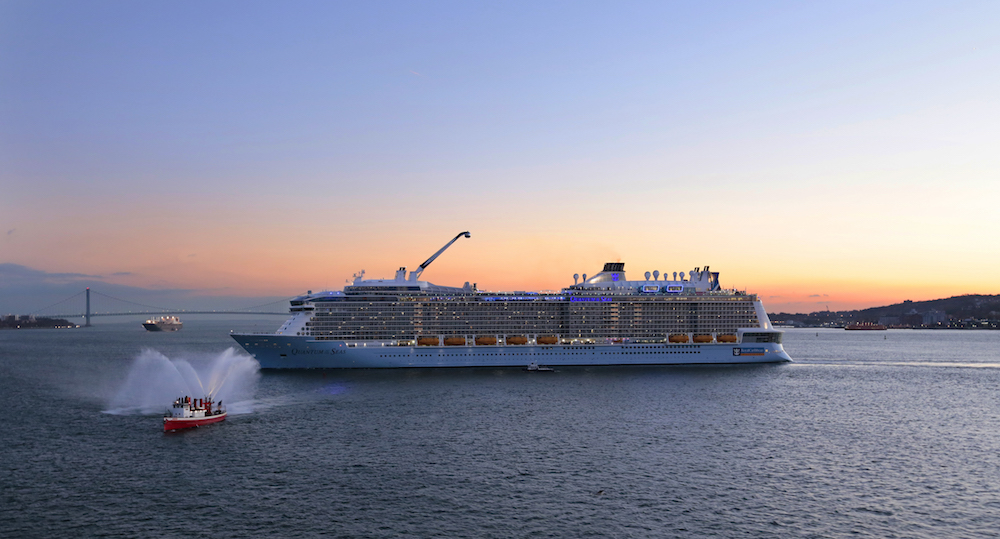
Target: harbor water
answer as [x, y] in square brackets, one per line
[867, 434]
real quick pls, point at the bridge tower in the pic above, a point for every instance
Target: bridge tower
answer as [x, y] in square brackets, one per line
[87, 324]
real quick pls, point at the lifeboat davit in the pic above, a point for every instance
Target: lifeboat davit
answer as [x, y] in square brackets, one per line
[679, 337]
[454, 341]
[486, 341]
[726, 338]
[188, 413]
[427, 341]
[548, 339]
[702, 338]
[517, 339]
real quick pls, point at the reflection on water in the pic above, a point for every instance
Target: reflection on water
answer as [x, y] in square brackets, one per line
[872, 435]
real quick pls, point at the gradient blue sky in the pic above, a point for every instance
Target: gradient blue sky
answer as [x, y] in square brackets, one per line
[839, 154]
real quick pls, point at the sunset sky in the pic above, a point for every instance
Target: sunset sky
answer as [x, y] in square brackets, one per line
[832, 155]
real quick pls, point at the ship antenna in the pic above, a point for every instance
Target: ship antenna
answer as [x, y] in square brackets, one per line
[416, 273]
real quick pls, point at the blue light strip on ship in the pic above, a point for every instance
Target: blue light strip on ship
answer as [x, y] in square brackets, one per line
[524, 298]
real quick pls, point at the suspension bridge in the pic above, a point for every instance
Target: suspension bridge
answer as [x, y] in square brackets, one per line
[145, 310]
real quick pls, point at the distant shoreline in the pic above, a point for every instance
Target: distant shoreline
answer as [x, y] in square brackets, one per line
[973, 311]
[10, 322]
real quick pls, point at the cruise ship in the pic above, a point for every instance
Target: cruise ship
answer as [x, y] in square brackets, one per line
[606, 319]
[163, 323]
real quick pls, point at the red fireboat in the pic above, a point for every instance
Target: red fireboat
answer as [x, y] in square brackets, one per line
[188, 413]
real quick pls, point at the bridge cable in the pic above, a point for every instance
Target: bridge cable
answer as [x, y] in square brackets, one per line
[74, 296]
[266, 304]
[138, 304]
[182, 310]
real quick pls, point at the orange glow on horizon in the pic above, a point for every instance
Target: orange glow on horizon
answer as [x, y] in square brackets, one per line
[256, 276]
[222, 254]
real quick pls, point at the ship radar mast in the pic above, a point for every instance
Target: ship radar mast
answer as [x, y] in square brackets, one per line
[415, 274]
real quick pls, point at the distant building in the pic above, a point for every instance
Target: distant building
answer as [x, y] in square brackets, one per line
[934, 317]
[888, 320]
[913, 318]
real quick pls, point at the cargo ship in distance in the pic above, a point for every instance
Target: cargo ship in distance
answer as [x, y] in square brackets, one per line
[607, 319]
[865, 326]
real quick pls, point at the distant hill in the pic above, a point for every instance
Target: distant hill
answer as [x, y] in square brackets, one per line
[960, 307]
[957, 308]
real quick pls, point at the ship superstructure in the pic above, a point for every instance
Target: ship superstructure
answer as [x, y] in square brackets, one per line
[606, 319]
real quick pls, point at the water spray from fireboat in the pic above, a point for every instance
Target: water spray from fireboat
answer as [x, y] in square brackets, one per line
[154, 381]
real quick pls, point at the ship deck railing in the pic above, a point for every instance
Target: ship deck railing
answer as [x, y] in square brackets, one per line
[531, 341]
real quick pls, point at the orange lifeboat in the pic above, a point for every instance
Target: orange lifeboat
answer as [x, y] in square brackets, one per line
[548, 339]
[726, 338]
[486, 341]
[454, 341]
[517, 339]
[678, 337]
[427, 341]
[702, 338]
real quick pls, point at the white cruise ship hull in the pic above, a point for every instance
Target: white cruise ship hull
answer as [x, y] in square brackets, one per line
[296, 352]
